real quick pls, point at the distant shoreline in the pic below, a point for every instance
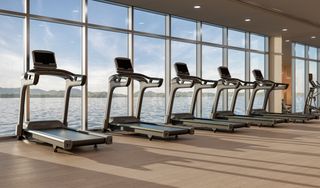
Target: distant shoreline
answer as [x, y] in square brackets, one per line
[76, 93]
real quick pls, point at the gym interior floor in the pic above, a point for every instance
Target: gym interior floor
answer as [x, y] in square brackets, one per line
[285, 156]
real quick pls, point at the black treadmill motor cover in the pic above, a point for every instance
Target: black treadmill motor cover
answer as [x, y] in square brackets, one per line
[181, 69]
[123, 65]
[224, 72]
[257, 74]
[43, 59]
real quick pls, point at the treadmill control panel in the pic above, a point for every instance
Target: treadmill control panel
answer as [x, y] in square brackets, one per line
[310, 77]
[43, 59]
[123, 65]
[257, 75]
[224, 72]
[181, 69]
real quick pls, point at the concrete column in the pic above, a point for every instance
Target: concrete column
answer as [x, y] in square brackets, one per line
[275, 72]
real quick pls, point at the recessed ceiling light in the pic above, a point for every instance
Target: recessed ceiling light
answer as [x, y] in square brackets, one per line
[247, 20]
[141, 23]
[287, 40]
[196, 6]
[313, 37]
[284, 29]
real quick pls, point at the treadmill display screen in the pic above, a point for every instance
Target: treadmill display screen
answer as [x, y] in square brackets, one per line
[181, 69]
[123, 65]
[224, 72]
[257, 74]
[43, 59]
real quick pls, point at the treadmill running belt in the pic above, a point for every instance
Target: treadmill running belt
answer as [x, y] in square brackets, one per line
[155, 127]
[66, 134]
[212, 122]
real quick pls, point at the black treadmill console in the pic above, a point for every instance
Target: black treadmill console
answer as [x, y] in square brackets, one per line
[224, 72]
[123, 65]
[257, 75]
[310, 77]
[181, 69]
[43, 59]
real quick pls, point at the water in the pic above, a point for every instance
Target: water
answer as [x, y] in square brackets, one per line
[153, 110]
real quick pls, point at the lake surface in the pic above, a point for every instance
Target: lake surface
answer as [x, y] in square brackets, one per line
[153, 110]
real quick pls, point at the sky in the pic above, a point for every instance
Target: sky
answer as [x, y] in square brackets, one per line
[104, 46]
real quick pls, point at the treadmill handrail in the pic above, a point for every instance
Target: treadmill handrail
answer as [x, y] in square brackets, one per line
[157, 82]
[76, 79]
[243, 85]
[230, 83]
[198, 80]
[119, 80]
[226, 83]
[32, 77]
[314, 84]
[182, 83]
[268, 84]
[123, 79]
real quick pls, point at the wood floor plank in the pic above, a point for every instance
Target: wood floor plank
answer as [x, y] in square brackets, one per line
[285, 156]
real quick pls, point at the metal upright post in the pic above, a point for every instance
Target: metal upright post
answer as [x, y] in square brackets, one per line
[293, 84]
[247, 67]
[199, 67]
[131, 56]
[225, 63]
[84, 106]
[167, 59]
[26, 34]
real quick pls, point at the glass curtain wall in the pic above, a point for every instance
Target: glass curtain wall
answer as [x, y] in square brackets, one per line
[149, 59]
[258, 44]
[11, 55]
[88, 41]
[305, 61]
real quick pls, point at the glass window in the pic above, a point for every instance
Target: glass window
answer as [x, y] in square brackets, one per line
[186, 53]
[313, 67]
[257, 62]
[211, 60]
[236, 64]
[313, 53]
[106, 14]
[103, 47]
[13, 5]
[211, 34]
[236, 38]
[257, 42]
[47, 96]
[300, 84]
[183, 28]
[150, 60]
[299, 50]
[149, 22]
[11, 55]
[70, 10]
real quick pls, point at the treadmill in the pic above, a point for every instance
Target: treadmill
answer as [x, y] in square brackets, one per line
[311, 98]
[184, 80]
[227, 82]
[270, 86]
[54, 132]
[125, 75]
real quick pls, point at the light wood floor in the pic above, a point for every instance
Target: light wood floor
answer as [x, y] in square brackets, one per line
[285, 156]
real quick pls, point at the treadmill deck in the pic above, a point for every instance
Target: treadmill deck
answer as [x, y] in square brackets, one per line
[65, 134]
[151, 129]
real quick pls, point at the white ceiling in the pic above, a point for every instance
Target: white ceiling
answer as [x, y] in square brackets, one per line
[300, 17]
